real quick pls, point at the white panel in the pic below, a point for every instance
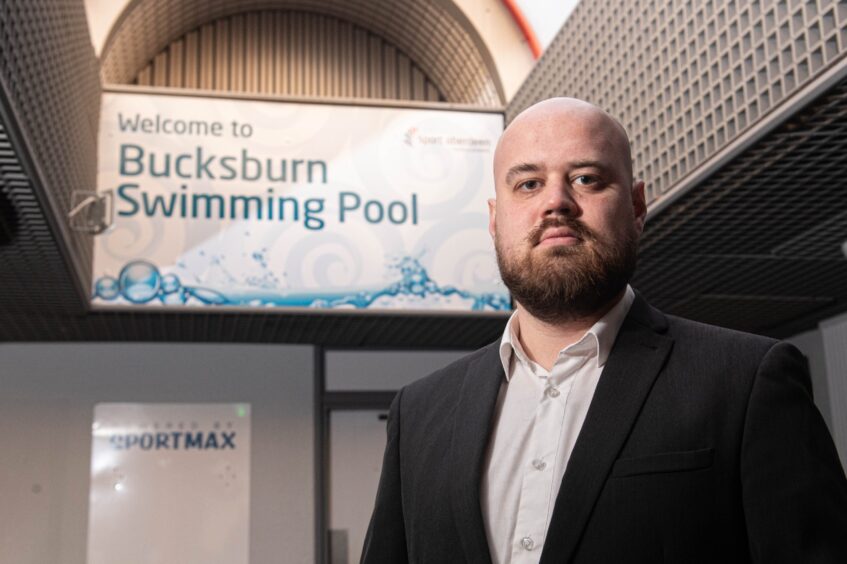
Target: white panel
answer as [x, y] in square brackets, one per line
[170, 483]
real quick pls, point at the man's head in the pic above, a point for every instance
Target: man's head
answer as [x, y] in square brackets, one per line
[567, 214]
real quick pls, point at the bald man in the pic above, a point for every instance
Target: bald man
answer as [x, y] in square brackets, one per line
[597, 429]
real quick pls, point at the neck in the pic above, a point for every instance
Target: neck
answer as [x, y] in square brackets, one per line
[542, 340]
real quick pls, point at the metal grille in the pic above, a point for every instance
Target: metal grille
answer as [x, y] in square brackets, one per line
[289, 53]
[440, 332]
[443, 44]
[758, 245]
[49, 106]
[686, 77]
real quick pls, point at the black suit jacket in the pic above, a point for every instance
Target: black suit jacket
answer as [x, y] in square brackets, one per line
[700, 445]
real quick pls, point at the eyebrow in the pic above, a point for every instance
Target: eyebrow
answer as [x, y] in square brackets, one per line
[589, 164]
[531, 167]
[521, 169]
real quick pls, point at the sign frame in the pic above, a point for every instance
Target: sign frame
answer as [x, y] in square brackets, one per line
[300, 310]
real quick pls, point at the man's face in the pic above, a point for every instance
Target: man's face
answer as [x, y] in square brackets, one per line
[567, 216]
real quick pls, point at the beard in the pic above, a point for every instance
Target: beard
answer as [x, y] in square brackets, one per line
[564, 283]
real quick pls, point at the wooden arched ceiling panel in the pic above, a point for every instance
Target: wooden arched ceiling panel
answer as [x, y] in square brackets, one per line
[443, 48]
[281, 52]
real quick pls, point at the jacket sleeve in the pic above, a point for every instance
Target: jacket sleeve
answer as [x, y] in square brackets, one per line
[385, 542]
[793, 486]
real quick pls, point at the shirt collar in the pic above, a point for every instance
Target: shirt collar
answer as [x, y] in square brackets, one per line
[600, 337]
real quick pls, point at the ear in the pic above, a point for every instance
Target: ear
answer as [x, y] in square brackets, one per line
[492, 213]
[639, 205]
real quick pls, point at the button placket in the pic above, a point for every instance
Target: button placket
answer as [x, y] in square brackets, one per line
[536, 485]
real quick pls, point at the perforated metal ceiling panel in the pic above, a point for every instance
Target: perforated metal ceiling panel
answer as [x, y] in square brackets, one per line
[685, 77]
[758, 246]
[49, 105]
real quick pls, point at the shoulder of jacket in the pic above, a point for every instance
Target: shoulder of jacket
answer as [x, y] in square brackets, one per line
[450, 376]
[713, 337]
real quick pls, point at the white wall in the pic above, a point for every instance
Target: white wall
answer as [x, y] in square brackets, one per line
[46, 406]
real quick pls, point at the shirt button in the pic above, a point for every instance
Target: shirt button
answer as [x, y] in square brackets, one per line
[527, 543]
[552, 392]
[539, 464]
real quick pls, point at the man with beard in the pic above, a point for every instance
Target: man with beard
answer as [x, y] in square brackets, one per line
[598, 429]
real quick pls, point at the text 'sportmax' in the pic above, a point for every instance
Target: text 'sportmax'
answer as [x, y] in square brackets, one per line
[175, 440]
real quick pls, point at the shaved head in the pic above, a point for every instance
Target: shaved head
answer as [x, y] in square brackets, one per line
[572, 109]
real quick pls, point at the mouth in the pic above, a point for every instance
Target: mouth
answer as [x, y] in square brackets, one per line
[558, 236]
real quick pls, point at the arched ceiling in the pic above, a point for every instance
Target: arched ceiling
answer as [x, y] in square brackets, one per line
[444, 45]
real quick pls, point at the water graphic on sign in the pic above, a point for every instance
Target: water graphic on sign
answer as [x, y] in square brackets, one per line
[141, 282]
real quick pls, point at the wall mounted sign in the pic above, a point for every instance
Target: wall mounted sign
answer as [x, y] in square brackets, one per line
[223, 202]
[170, 483]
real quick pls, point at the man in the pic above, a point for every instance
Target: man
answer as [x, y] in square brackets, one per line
[598, 429]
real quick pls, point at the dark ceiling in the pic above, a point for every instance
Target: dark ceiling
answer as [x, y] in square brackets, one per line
[758, 245]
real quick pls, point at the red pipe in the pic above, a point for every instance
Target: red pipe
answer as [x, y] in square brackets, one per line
[524, 26]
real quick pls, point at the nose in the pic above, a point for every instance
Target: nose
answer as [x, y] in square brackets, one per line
[559, 200]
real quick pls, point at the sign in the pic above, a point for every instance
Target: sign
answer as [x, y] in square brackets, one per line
[169, 483]
[222, 202]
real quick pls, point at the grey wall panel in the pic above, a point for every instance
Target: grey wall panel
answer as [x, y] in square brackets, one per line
[49, 392]
[810, 344]
[352, 370]
[834, 334]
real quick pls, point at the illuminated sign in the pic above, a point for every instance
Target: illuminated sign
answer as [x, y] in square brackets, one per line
[221, 202]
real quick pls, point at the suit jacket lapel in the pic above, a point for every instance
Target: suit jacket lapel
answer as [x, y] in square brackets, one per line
[471, 429]
[636, 358]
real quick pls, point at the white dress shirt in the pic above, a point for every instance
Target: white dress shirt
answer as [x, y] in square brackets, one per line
[537, 420]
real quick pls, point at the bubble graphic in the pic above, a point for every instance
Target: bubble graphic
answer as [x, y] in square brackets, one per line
[415, 283]
[107, 288]
[175, 298]
[409, 285]
[139, 281]
[208, 296]
[170, 283]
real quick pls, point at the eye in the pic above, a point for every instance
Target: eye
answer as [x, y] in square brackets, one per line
[529, 185]
[585, 180]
